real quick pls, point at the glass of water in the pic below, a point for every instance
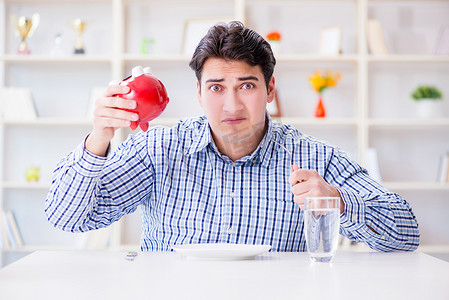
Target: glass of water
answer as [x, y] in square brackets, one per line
[322, 226]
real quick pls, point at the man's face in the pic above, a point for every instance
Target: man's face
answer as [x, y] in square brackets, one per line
[234, 95]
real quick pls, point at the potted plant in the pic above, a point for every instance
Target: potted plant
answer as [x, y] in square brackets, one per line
[425, 97]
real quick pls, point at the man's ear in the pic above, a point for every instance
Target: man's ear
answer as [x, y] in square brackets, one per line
[198, 93]
[271, 90]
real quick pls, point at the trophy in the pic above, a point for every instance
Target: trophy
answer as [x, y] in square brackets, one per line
[78, 25]
[25, 28]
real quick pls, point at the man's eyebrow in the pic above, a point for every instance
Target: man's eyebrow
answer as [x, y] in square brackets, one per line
[215, 80]
[240, 79]
[248, 78]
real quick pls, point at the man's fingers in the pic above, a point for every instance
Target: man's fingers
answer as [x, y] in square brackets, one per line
[114, 113]
[116, 89]
[116, 102]
[104, 122]
[300, 175]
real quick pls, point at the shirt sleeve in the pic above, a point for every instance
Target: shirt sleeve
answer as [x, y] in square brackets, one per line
[91, 192]
[369, 203]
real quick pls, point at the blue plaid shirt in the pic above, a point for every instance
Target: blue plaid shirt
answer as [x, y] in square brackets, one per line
[191, 193]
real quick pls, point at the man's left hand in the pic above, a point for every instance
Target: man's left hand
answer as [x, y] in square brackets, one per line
[308, 183]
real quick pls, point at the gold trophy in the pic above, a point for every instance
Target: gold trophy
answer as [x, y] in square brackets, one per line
[24, 28]
[78, 25]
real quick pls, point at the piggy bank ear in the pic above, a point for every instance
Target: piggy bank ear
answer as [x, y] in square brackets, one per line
[144, 126]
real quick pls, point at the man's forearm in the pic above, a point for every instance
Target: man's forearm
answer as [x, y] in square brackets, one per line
[96, 146]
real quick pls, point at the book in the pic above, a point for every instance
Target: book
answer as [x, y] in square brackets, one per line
[17, 104]
[4, 233]
[9, 233]
[15, 230]
[376, 41]
[443, 169]
[442, 42]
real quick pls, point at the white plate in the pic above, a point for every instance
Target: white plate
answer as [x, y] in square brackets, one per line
[221, 251]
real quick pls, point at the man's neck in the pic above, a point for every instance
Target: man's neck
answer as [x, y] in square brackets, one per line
[240, 146]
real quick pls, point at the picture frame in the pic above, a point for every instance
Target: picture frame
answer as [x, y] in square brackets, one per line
[16, 104]
[330, 40]
[274, 107]
[196, 29]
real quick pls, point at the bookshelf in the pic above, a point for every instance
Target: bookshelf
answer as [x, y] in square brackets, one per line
[371, 106]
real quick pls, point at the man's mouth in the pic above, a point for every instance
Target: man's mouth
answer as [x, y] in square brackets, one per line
[233, 121]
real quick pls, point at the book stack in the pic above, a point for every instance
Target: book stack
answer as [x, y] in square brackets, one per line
[443, 173]
[10, 234]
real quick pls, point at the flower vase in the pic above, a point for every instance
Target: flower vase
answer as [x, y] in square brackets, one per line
[320, 111]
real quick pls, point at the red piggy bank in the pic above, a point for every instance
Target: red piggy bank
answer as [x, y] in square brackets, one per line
[148, 92]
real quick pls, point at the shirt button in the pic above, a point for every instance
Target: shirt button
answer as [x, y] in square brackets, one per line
[234, 165]
[232, 194]
[229, 231]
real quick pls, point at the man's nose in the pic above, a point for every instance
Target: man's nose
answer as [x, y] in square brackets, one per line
[232, 102]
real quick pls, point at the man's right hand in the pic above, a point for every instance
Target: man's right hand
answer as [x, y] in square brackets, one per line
[108, 116]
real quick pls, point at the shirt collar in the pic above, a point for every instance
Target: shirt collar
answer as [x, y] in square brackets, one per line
[202, 140]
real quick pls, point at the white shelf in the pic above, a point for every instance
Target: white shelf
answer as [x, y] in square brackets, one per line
[48, 121]
[317, 58]
[409, 58]
[156, 58]
[408, 122]
[27, 59]
[25, 185]
[416, 186]
[318, 122]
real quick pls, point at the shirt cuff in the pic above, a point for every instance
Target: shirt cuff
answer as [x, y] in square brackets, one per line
[86, 163]
[354, 213]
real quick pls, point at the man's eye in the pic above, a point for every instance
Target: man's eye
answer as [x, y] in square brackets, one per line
[248, 86]
[215, 88]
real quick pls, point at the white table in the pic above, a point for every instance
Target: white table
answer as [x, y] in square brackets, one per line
[108, 275]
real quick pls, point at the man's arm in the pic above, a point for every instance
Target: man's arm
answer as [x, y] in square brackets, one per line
[90, 192]
[373, 215]
[369, 212]
[79, 198]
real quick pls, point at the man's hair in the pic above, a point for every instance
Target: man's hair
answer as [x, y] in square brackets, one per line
[233, 41]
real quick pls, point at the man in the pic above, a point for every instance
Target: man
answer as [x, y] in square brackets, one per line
[226, 177]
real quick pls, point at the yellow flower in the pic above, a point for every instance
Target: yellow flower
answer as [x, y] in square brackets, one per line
[322, 81]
